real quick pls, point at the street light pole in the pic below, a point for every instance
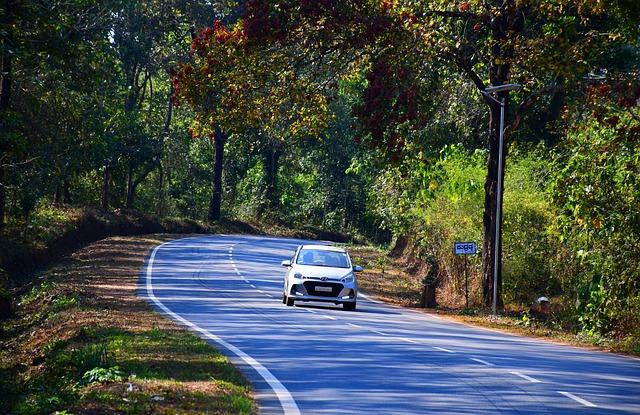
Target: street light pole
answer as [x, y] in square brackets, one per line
[497, 257]
[497, 254]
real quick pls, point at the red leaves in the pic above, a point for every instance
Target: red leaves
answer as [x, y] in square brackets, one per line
[390, 99]
[464, 7]
[264, 22]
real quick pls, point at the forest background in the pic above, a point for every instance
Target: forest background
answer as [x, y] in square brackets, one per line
[362, 117]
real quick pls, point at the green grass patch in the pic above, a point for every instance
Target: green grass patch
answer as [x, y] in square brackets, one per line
[116, 371]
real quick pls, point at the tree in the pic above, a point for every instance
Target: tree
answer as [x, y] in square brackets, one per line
[235, 88]
[404, 46]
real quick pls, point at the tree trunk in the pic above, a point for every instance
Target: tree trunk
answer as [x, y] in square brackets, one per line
[218, 164]
[3, 197]
[5, 95]
[131, 189]
[106, 177]
[66, 192]
[272, 161]
[161, 195]
[490, 207]
[499, 74]
[57, 196]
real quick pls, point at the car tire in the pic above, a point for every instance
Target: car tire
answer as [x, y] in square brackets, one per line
[349, 306]
[284, 298]
[289, 301]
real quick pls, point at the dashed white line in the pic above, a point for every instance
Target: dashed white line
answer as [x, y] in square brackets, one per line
[353, 325]
[484, 362]
[529, 378]
[287, 402]
[311, 311]
[379, 332]
[329, 317]
[442, 349]
[252, 286]
[578, 399]
[408, 340]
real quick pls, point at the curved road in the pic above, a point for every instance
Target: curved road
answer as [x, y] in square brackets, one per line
[319, 359]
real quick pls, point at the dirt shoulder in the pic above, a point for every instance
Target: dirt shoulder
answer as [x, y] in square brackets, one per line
[390, 279]
[83, 342]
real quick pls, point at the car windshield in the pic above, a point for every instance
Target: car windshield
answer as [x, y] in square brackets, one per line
[322, 258]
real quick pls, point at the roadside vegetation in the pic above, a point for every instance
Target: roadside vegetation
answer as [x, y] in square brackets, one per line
[82, 342]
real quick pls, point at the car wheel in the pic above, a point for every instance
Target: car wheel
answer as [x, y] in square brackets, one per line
[289, 301]
[349, 306]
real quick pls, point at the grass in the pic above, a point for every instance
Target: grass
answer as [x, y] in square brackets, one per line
[82, 342]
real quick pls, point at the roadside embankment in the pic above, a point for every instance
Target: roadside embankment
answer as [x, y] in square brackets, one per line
[81, 341]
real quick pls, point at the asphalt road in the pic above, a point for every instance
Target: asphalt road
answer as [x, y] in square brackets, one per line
[381, 359]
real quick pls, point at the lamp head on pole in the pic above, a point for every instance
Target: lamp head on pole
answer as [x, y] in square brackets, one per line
[502, 88]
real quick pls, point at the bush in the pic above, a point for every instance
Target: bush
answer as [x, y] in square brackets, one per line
[442, 202]
[597, 188]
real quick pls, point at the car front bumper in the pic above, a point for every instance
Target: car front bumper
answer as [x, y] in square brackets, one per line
[346, 293]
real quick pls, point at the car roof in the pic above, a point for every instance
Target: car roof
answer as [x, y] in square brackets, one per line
[324, 248]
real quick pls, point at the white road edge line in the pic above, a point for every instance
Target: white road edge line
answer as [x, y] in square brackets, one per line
[287, 402]
[484, 362]
[529, 378]
[578, 399]
[442, 349]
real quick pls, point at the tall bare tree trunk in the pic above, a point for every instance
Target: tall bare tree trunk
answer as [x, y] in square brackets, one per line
[216, 198]
[5, 95]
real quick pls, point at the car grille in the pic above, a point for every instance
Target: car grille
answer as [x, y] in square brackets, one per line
[310, 286]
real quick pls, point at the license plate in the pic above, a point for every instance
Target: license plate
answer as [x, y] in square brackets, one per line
[324, 289]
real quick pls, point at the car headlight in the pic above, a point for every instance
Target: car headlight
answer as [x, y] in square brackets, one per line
[297, 275]
[348, 279]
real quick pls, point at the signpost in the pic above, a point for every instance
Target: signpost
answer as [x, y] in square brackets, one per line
[464, 249]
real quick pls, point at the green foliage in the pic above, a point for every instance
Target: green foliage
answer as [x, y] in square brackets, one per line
[38, 292]
[103, 375]
[597, 188]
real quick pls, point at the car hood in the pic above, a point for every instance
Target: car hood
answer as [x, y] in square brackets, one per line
[329, 272]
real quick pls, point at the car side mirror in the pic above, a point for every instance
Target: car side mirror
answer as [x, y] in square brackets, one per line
[358, 268]
[286, 263]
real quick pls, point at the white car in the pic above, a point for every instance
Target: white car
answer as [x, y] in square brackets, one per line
[321, 273]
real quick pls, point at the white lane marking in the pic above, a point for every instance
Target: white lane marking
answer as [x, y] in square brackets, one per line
[329, 317]
[529, 378]
[287, 402]
[252, 286]
[484, 362]
[311, 311]
[442, 349]
[354, 325]
[408, 340]
[379, 332]
[578, 399]
[260, 291]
